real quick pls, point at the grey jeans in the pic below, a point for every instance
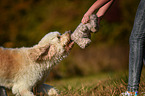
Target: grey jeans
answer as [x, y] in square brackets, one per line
[137, 48]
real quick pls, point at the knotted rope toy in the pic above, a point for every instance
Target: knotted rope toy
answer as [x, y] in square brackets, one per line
[82, 34]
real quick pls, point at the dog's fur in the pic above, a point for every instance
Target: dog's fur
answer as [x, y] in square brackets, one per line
[24, 68]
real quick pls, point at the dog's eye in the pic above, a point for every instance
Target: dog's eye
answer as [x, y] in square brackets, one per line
[58, 37]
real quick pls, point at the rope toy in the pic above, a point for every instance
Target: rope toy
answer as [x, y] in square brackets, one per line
[82, 34]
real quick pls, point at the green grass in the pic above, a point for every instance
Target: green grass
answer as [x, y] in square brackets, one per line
[103, 84]
[78, 85]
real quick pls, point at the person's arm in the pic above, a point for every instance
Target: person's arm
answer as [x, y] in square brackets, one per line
[104, 9]
[95, 6]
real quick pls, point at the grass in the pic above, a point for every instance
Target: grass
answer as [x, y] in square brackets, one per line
[103, 84]
[77, 85]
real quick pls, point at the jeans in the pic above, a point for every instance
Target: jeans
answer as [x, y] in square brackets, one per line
[137, 48]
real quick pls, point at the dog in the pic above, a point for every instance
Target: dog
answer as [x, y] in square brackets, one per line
[24, 69]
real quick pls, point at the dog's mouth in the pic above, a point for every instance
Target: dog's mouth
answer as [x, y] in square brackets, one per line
[70, 43]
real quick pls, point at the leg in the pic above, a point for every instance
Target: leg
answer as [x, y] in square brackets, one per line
[137, 42]
[45, 89]
[21, 90]
[26, 92]
[135, 65]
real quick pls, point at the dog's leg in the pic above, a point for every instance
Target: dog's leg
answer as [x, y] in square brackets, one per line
[3, 91]
[45, 89]
[26, 92]
[20, 90]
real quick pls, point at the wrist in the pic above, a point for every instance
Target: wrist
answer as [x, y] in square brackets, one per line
[99, 14]
[88, 13]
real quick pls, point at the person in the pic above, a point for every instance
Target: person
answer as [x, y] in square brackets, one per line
[137, 51]
[136, 41]
[102, 5]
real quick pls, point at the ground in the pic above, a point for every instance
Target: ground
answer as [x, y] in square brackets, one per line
[100, 84]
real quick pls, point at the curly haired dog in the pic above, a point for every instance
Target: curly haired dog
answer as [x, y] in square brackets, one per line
[22, 69]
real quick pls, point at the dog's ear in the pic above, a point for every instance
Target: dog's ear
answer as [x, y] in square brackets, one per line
[51, 52]
[42, 52]
[48, 54]
[37, 51]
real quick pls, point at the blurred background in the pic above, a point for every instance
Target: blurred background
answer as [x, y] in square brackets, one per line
[25, 22]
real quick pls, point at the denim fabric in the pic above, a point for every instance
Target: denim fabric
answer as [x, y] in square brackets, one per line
[137, 48]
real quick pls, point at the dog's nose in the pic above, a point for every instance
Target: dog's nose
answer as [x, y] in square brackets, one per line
[69, 32]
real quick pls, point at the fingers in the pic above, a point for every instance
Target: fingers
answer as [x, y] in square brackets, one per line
[85, 19]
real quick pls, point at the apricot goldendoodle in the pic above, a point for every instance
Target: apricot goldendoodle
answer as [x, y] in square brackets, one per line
[22, 69]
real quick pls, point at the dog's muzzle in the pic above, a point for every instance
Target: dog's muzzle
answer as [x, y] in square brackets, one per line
[70, 43]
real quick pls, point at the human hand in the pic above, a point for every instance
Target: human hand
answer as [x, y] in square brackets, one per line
[85, 19]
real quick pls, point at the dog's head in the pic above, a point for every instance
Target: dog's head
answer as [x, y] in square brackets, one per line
[52, 45]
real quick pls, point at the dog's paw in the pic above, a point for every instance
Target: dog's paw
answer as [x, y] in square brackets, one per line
[53, 91]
